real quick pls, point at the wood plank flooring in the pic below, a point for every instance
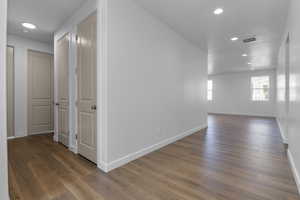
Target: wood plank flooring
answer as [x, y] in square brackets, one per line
[236, 158]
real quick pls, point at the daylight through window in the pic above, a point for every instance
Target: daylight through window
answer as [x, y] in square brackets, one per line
[209, 90]
[260, 86]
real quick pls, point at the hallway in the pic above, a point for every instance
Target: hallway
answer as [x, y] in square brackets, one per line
[236, 158]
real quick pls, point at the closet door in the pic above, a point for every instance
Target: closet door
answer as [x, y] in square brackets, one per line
[87, 63]
[63, 89]
[40, 92]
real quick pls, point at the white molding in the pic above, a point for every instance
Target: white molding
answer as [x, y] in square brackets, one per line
[11, 137]
[102, 85]
[242, 114]
[103, 166]
[3, 129]
[294, 169]
[282, 133]
[22, 136]
[41, 133]
[133, 156]
[73, 149]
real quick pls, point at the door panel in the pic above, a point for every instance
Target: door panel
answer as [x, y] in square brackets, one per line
[40, 92]
[10, 91]
[63, 89]
[86, 55]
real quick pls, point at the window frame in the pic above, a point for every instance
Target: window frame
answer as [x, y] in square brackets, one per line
[260, 88]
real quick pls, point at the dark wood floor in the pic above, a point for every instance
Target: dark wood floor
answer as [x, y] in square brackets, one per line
[236, 158]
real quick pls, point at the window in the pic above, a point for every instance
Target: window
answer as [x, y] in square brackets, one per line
[260, 86]
[209, 90]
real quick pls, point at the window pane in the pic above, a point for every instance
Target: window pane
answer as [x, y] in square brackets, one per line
[260, 82]
[209, 85]
[260, 88]
[209, 90]
[209, 95]
[260, 94]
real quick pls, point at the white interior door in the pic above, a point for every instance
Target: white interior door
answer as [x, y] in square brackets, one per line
[10, 91]
[40, 92]
[87, 62]
[63, 89]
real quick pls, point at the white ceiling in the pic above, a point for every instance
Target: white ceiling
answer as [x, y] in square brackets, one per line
[47, 15]
[195, 20]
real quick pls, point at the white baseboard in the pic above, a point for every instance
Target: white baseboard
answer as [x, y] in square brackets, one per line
[16, 136]
[294, 169]
[42, 132]
[73, 149]
[103, 166]
[21, 136]
[133, 156]
[243, 114]
[281, 130]
[11, 137]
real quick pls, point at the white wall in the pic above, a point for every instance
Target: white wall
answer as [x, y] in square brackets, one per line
[153, 81]
[282, 78]
[232, 94]
[293, 29]
[70, 26]
[156, 84]
[21, 45]
[3, 132]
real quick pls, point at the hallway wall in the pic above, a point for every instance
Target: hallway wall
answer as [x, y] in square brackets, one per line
[21, 45]
[293, 28]
[156, 83]
[232, 94]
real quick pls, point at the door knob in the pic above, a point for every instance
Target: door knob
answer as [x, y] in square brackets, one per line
[94, 107]
[57, 104]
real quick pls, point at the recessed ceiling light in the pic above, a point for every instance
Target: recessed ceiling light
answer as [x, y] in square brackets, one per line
[29, 25]
[218, 11]
[234, 39]
[249, 63]
[244, 55]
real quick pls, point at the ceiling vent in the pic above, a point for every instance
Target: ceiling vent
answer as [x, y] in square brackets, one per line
[248, 40]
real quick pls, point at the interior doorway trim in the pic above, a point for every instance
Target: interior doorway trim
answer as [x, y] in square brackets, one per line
[102, 85]
[3, 134]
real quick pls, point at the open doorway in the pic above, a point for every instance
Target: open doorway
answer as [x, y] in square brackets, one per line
[51, 85]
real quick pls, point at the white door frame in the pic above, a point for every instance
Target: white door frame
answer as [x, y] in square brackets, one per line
[3, 131]
[102, 85]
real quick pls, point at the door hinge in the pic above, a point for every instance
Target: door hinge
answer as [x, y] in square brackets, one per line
[76, 137]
